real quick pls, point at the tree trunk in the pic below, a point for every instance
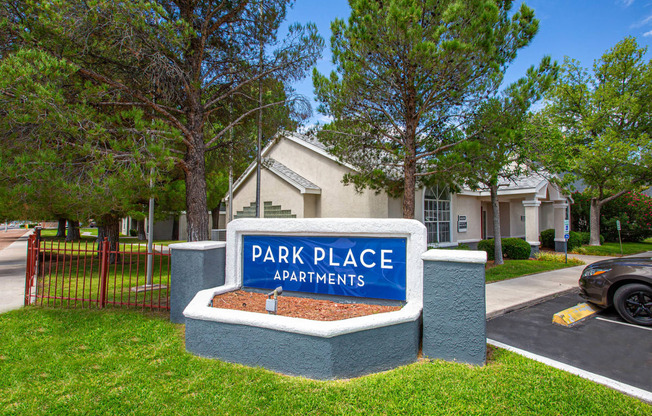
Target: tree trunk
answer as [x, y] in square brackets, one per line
[109, 228]
[112, 229]
[196, 204]
[595, 222]
[61, 228]
[498, 248]
[175, 228]
[140, 225]
[410, 178]
[73, 231]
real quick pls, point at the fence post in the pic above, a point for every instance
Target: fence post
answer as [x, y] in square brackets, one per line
[29, 268]
[104, 270]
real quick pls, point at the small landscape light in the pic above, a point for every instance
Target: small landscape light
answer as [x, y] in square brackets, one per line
[271, 302]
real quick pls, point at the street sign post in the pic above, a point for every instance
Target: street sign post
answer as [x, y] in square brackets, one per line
[566, 237]
[619, 239]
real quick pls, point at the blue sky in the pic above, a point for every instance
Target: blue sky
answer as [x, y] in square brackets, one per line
[581, 29]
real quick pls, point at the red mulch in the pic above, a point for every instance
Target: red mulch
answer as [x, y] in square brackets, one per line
[307, 308]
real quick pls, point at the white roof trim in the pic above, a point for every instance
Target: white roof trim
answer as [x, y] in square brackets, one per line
[301, 188]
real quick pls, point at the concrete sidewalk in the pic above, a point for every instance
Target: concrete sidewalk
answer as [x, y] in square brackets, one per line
[12, 274]
[512, 294]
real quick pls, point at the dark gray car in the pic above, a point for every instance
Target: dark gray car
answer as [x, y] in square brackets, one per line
[625, 283]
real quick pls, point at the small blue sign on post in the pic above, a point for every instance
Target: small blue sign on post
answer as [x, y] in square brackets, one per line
[566, 236]
[346, 266]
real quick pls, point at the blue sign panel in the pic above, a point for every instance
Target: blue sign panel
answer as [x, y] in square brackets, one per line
[347, 266]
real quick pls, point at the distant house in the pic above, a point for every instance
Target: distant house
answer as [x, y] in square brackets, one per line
[301, 179]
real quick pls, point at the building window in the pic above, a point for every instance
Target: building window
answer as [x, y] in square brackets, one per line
[437, 214]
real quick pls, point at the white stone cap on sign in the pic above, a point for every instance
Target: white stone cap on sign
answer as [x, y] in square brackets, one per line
[198, 245]
[413, 231]
[456, 256]
[200, 308]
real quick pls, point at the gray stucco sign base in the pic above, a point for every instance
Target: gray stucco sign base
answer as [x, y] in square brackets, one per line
[344, 356]
[314, 349]
[445, 308]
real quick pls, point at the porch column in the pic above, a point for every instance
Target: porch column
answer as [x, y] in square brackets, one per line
[532, 225]
[560, 208]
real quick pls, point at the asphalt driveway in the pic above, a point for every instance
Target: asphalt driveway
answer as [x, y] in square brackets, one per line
[602, 344]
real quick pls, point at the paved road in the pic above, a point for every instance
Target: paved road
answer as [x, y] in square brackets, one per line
[13, 248]
[603, 344]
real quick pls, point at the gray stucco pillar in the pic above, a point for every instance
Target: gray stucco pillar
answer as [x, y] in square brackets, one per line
[454, 308]
[195, 266]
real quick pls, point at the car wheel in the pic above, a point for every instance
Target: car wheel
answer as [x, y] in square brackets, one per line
[634, 303]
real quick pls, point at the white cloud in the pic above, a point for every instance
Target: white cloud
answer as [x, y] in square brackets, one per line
[647, 33]
[643, 22]
[317, 119]
[627, 3]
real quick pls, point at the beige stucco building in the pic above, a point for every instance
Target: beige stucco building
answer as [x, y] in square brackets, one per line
[301, 179]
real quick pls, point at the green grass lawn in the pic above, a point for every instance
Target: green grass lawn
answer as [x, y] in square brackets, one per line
[517, 268]
[613, 249]
[157, 242]
[114, 362]
[50, 235]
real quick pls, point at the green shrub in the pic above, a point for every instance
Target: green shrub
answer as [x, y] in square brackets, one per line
[133, 232]
[488, 246]
[585, 237]
[462, 246]
[633, 210]
[574, 240]
[516, 249]
[548, 239]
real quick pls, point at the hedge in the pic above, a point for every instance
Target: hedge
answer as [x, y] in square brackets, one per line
[548, 239]
[513, 248]
[488, 246]
[575, 239]
[516, 249]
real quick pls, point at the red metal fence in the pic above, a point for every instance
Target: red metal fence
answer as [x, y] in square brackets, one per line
[83, 274]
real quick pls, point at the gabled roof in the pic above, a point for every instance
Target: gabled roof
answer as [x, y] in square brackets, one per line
[525, 184]
[291, 177]
[308, 142]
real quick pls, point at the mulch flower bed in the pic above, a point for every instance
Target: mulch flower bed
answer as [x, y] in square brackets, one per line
[307, 308]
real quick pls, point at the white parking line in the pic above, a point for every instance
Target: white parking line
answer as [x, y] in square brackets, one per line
[623, 323]
[616, 385]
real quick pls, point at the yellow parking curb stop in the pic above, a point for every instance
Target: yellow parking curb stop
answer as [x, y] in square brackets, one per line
[571, 316]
